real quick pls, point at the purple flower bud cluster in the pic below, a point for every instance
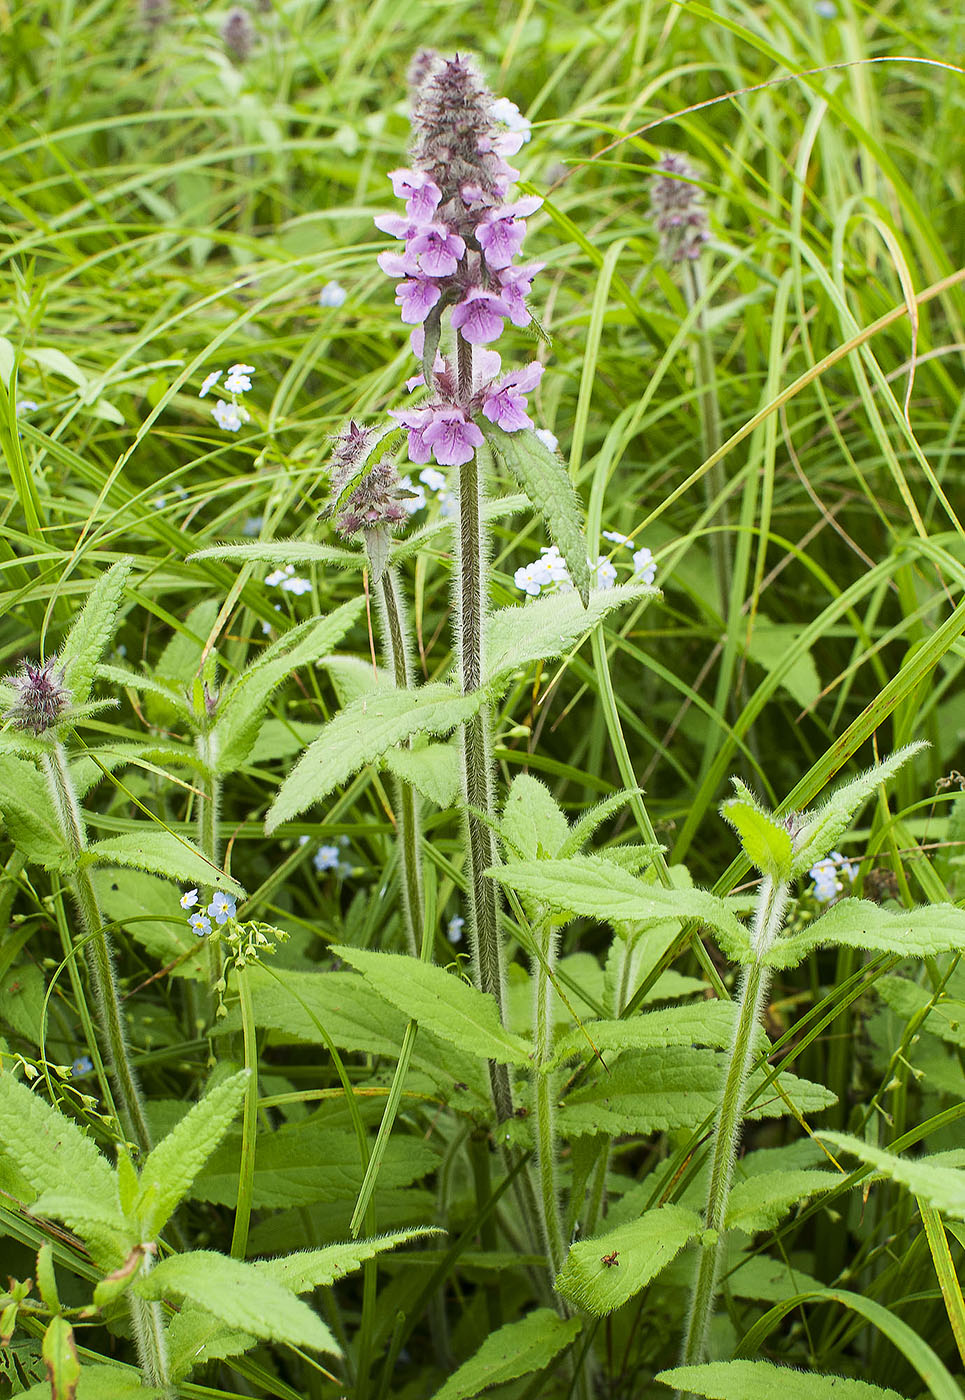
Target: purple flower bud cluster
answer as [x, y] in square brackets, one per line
[461, 235]
[677, 206]
[380, 499]
[40, 697]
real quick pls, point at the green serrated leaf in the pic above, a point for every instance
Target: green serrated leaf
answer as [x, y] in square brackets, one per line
[593, 887]
[196, 1336]
[47, 1278]
[240, 710]
[99, 1225]
[27, 812]
[543, 477]
[600, 1274]
[761, 1380]
[533, 823]
[858, 923]
[939, 1186]
[766, 841]
[61, 1360]
[433, 770]
[945, 1018]
[283, 552]
[162, 853]
[102, 1383]
[548, 627]
[240, 1295]
[93, 630]
[441, 1001]
[761, 1202]
[363, 733]
[171, 1167]
[515, 1349]
[50, 1150]
[820, 829]
[311, 1268]
[700, 1023]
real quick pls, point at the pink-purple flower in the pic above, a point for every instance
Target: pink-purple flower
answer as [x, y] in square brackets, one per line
[417, 420]
[438, 250]
[420, 192]
[480, 316]
[504, 403]
[416, 297]
[502, 230]
[452, 436]
[515, 283]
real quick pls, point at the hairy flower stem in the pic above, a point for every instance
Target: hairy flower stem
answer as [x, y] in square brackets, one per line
[100, 965]
[768, 920]
[209, 811]
[715, 479]
[544, 1104]
[150, 1338]
[472, 567]
[396, 642]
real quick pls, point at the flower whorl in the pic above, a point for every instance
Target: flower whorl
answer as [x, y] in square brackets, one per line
[677, 205]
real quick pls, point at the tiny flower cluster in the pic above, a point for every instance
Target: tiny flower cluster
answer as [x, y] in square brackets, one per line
[229, 416]
[41, 699]
[329, 858]
[287, 580]
[549, 574]
[221, 909]
[829, 876]
[461, 235]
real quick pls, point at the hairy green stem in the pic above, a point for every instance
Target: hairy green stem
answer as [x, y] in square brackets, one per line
[150, 1338]
[100, 965]
[472, 568]
[398, 651]
[249, 1124]
[768, 920]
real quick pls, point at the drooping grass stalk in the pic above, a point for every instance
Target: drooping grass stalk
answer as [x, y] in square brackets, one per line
[768, 920]
[471, 580]
[543, 1101]
[398, 654]
[100, 964]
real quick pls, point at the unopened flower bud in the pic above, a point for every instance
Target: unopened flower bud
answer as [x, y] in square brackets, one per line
[40, 696]
[238, 34]
[378, 500]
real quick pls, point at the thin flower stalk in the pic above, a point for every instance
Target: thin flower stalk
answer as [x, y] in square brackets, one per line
[544, 1099]
[768, 921]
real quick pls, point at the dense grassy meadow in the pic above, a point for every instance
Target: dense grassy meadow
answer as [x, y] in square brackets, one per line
[296, 1099]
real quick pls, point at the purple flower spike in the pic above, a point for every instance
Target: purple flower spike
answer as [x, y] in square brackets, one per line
[452, 436]
[438, 250]
[516, 282]
[420, 192]
[416, 297]
[417, 420]
[505, 403]
[479, 316]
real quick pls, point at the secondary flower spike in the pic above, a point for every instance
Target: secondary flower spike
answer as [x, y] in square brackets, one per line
[460, 234]
[40, 697]
[677, 205]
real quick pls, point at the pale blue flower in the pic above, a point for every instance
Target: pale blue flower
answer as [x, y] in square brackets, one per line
[326, 858]
[253, 525]
[332, 294]
[222, 907]
[82, 1065]
[548, 439]
[230, 416]
[189, 899]
[209, 383]
[644, 568]
[454, 928]
[829, 876]
[200, 923]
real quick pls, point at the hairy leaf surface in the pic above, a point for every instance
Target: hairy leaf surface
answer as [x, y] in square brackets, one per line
[761, 1380]
[600, 1274]
[515, 1349]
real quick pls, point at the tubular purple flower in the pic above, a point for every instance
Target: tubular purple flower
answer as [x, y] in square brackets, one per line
[502, 230]
[480, 316]
[416, 420]
[416, 297]
[505, 403]
[452, 436]
[438, 250]
[515, 283]
[421, 194]
[677, 206]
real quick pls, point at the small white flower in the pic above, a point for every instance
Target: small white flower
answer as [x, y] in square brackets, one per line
[615, 537]
[278, 576]
[253, 525]
[237, 383]
[555, 566]
[509, 114]
[26, 406]
[606, 574]
[210, 382]
[829, 876]
[200, 923]
[189, 900]
[332, 294]
[230, 416]
[241, 369]
[297, 586]
[526, 578]
[548, 439]
[326, 858]
[222, 907]
[432, 478]
[454, 928]
[303, 840]
[644, 568]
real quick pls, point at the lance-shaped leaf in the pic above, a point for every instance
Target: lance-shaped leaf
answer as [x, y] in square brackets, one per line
[700, 1023]
[548, 627]
[59, 1352]
[100, 1225]
[241, 1296]
[600, 1274]
[765, 838]
[28, 813]
[760, 1202]
[762, 1380]
[171, 1167]
[363, 733]
[93, 630]
[283, 552]
[240, 710]
[102, 1383]
[945, 1018]
[162, 853]
[515, 1349]
[310, 1268]
[50, 1150]
[441, 1001]
[593, 887]
[820, 829]
[858, 923]
[941, 1187]
[543, 477]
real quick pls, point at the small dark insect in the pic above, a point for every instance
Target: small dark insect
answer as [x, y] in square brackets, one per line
[521, 1112]
[610, 1259]
[459, 1086]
